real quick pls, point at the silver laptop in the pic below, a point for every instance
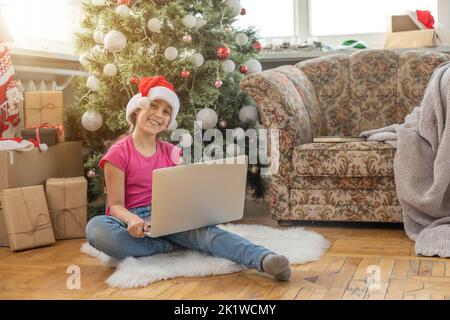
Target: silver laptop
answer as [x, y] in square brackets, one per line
[192, 196]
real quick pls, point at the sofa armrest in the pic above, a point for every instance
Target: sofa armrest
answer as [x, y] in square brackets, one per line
[289, 108]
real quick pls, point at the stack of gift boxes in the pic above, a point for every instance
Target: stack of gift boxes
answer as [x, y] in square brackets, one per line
[43, 195]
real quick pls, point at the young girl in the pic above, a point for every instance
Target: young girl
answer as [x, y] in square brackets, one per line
[128, 167]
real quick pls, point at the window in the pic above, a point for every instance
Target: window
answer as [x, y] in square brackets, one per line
[271, 18]
[44, 25]
[331, 17]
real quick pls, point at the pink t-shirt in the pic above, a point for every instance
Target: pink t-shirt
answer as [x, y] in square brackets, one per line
[138, 168]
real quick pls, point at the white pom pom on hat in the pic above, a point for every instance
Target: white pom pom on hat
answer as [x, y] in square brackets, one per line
[154, 88]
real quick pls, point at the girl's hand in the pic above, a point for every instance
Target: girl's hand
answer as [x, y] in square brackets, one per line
[137, 226]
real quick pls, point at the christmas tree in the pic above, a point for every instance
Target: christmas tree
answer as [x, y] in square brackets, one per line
[193, 43]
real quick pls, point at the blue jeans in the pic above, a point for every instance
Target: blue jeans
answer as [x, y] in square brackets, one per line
[110, 235]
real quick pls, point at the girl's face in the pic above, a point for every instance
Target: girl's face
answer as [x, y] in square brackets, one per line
[155, 119]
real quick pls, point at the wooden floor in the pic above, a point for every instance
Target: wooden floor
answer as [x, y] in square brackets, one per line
[342, 272]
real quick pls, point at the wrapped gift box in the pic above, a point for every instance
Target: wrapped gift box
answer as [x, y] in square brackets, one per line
[405, 32]
[43, 107]
[67, 204]
[49, 136]
[27, 218]
[3, 234]
[21, 169]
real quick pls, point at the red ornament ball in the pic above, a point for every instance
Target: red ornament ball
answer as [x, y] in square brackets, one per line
[243, 12]
[126, 2]
[185, 73]
[257, 46]
[187, 38]
[223, 52]
[134, 80]
[218, 83]
[243, 69]
[223, 124]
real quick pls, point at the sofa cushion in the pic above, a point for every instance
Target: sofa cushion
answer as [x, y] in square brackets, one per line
[352, 159]
[344, 183]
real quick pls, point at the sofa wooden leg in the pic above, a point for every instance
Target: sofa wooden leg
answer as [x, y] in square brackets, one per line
[285, 223]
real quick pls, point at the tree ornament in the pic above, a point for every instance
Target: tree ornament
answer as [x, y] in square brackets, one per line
[154, 25]
[253, 66]
[110, 70]
[198, 59]
[187, 38]
[99, 37]
[123, 10]
[218, 84]
[238, 133]
[185, 74]
[200, 22]
[243, 12]
[134, 80]
[243, 69]
[125, 2]
[91, 173]
[223, 52]
[254, 169]
[233, 150]
[241, 39]
[93, 83]
[257, 46]
[234, 7]
[227, 28]
[208, 118]
[228, 66]
[92, 120]
[115, 41]
[84, 59]
[223, 124]
[171, 53]
[248, 114]
[98, 2]
[189, 21]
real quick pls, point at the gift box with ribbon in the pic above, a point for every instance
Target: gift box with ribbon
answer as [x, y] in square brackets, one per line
[27, 218]
[44, 133]
[44, 107]
[67, 204]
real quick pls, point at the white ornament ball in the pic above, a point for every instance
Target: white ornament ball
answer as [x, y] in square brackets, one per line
[238, 133]
[186, 140]
[200, 23]
[154, 25]
[98, 2]
[84, 59]
[43, 147]
[241, 39]
[93, 83]
[233, 150]
[115, 41]
[92, 120]
[123, 10]
[143, 102]
[110, 70]
[171, 53]
[253, 66]
[228, 66]
[198, 59]
[248, 114]
[234, 6]
[208, 117]
[189, 21]
[99, 37]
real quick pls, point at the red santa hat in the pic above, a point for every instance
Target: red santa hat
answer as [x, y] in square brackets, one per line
[150, 89]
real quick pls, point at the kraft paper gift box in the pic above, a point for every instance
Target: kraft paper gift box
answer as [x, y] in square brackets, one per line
[67, 204]
[410, 39]
[27, 218]
[3, 234]
[43, 107]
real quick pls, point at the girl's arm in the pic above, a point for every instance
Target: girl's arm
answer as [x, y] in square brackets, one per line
[115, 186]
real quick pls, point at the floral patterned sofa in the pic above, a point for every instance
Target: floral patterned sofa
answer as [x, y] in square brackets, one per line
[338, 95]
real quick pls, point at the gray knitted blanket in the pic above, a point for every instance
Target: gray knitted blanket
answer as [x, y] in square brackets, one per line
[422, 166]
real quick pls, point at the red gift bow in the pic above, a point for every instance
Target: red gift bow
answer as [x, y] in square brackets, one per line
[59, 130]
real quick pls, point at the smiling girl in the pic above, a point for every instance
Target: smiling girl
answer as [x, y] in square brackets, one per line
[128, 167]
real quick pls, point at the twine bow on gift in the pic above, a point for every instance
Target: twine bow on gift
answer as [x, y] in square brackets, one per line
[58, 212]
[59, 131]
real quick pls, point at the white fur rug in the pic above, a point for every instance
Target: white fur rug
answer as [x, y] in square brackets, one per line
[297, 244]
